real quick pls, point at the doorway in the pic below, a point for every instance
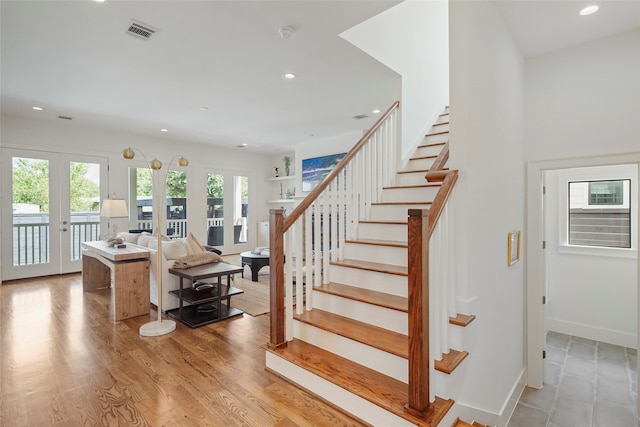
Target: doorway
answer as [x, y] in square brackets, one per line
[54, 206]
[536, 257]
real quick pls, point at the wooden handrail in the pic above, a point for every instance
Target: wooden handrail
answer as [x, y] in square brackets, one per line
[421, 224]
[435, 210]
[313, 195]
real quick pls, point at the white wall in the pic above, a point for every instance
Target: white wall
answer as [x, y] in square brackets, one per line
[59, 136]
[585, 101]
[592, 292]
[411, 38]
[487, 146]
[583, 109]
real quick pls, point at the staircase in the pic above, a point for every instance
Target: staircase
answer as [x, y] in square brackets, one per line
[351, 344]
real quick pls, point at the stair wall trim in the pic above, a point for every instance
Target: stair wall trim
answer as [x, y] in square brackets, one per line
[336, 395]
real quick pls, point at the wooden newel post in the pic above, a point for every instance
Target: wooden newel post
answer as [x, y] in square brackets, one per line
[276, 278]
[418, 251]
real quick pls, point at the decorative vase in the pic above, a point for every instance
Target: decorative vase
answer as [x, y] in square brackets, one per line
[286, 170]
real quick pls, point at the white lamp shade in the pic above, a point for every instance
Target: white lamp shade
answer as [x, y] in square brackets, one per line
[114, 208]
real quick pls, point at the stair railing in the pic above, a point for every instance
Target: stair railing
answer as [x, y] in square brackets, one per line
[302, 244]
[431, 291]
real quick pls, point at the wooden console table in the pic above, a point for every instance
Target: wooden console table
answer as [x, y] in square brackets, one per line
[129, 268]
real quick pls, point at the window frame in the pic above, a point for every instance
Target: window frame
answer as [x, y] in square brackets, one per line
[597, 173]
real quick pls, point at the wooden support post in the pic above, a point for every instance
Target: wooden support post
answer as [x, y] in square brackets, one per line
[418, 251]
[276, 278]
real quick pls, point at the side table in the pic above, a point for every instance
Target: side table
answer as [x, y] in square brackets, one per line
[205, 307]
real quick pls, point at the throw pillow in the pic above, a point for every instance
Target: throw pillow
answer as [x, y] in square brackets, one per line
[144, 240]
[173, 249]
[194, 245]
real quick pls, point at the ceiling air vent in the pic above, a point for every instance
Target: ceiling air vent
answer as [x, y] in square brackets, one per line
[360, 117]
[65, 117]
[141, 31]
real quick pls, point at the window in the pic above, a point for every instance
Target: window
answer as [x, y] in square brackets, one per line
[600, 213]
[605, 193]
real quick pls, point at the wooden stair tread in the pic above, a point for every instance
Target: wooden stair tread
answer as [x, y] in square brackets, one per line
[435, 144]
[382, 222]
[365, 333]
[373, 266]
[380, 299]
[462, 319]
[399, 203]
[420, 171]
[441, 123]
[437, 133]
[423, 158]
[450, 361]
[404, 187]
[379, 389]
[459, 423]
[374, 242]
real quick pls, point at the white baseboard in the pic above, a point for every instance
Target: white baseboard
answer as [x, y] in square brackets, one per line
[593, 333]
[469, 413]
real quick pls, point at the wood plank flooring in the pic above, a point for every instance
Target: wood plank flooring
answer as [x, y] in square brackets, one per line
[65, 363]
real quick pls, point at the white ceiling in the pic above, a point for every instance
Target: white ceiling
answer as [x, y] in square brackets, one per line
[74, 59]
[542, 26]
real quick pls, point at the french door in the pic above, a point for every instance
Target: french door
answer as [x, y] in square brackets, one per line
[51, 205]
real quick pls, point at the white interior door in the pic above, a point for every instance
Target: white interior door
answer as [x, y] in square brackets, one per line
[39, 215]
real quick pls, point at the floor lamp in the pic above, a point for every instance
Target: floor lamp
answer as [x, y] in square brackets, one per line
[157, 327]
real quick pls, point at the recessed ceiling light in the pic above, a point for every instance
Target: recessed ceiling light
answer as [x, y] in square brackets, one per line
[99, 1]
[204, 108]
[244, 144]
[37, 108]
[164, 130]
[589, 10]
[289, 76]
[376, 111]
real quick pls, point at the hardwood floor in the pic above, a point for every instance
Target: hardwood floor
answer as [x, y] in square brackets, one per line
[64, 363]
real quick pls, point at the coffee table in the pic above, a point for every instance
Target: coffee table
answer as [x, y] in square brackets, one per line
[255, 263]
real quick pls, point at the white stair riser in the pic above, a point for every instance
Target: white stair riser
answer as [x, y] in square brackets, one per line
[416, 178]
[374, 253]
[434, 139]
[376, 281]
[381, 361]
[396, 232]
[429, 150]
[342, 398]
[419, 164]
[426, 194]
[440, 127]
[382, 317]
[393, 212]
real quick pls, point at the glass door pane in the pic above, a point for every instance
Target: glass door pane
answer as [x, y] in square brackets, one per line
[240, 209]
[141, 198]
[31, 221]
[176, 203]
[215, 209]
[84, 207]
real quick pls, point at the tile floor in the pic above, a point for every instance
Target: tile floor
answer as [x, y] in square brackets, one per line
[586, 384]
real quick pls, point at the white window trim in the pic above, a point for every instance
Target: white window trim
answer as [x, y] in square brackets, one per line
[616, 172]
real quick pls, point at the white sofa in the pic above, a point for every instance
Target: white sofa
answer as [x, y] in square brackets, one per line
[171, 251]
